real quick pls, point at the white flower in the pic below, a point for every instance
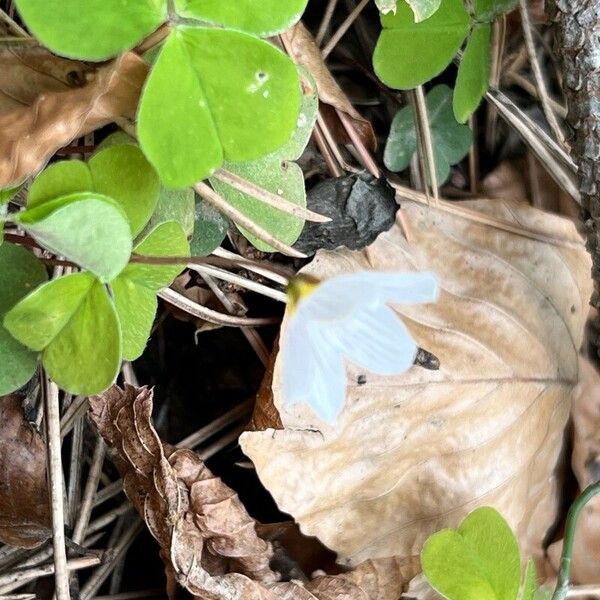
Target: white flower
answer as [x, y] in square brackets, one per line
[347, 318]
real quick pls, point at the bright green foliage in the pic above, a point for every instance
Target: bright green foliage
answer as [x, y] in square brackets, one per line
[473, 74]
[20, 273]
[487, 10]
[530, 583]
[123, 173]
[260, 17]
[59, 179]
[91, 29]
[236, 97]
[408, 54]
[7, 194]
[174, 205]
[479, 560]
[386, 6]
[210, 229]
[74, 322]
[450, 140]
[134, 290]
[278, 175]
[422, 9]
[86, 228]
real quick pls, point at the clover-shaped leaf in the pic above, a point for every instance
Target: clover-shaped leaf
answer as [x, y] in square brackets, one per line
[408, 54]
[20, 273]
[487, 10]
[210, 229]
[261, 17]
[73, 322]
[94, 29]
[214, 95]
[277, 174]
[451, 140]
[479, 560]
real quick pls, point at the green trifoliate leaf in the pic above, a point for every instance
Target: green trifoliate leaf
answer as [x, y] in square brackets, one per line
[134, 290]
[478, 561]
[94, 29]
[59, 179]
[450, 140]
[74, 322]
[20, 273]
[408, 54]
[123, 173]
[88, 229]
[473, 73]
[210, 229]
[487, 10]
[236, 98]
[261, 17]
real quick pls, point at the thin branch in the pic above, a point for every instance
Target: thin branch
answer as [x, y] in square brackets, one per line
[267, 197]
[325, 22]
[339, 34]
[424, 135]
[55, 476]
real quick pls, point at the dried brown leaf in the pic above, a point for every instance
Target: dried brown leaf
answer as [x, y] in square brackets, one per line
[415, 453]
[32, 134]
[206, 535]
[29, 71]
[24, 506]
[301, 46]
[586, 466]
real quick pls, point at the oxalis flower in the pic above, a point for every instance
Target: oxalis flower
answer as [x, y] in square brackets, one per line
[347, 318]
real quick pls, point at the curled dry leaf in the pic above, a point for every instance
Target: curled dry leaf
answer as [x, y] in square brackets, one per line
[301, 46]
[586, 466]
[29, 71]
[414, 453]
[32, 134]
[205, 534]
[24, 506]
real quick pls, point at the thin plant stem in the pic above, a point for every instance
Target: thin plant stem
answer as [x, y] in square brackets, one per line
[325, 22]
[341, 32]
[564, 574]
[55, 476]
[328, 157]
[424, 134]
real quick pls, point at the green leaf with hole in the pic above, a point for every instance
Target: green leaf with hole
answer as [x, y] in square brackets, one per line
[477, 561]
[487, 10]
[260, 17]
[20, 273]
[236, 97]
[87, 228]
[210, 229]
[59, 179]
[123, 173]
[450, 140]
[408, 54]
[91, 29]
[134, 290]
[473, 73]
[74, 322]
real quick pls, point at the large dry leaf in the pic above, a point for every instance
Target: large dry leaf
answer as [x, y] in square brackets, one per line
[29, 71]
[206, 535]
[30, 135]
[414, 453]
[586, 466]
[24, 507]
[301, 46]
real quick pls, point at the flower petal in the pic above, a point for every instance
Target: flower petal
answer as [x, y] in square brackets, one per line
[377, 340]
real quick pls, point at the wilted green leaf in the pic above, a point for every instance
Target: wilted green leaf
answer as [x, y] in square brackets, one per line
[451, 141]
[478, 561]
[20, 273]
[236, 97]
[74, 322]
[488, 10]
[408, 54]
[59, 179]
[123, 173]
[87, 228]
[210, 229]
[473, 73]
[174, 205]
[261, 17]
[134, 290]
[94, 30]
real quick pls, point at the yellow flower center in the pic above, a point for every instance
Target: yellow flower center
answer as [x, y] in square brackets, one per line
[298, 288]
